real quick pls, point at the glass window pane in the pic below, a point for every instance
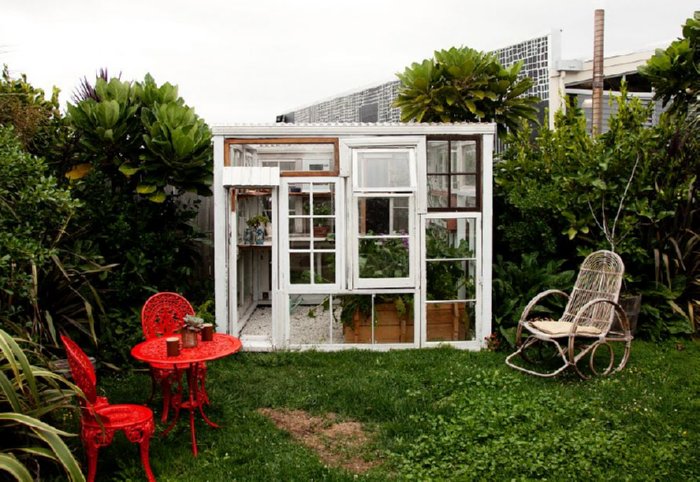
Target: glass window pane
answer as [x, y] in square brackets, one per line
[463, 191]
[325, 269]
[384, 169]
[311, 320]
[399, 220]
[437, 156]
[288, 157]
[299, 268]
[299, 228]
[450, 280]
[437, 191]
[299, 199]
[324, 228]
[463, 156]
[450, 321]
[384, 258]
[391, 320]
[450, 238]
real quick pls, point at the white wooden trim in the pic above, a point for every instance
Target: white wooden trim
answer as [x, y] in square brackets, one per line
[350, 129]
[251, 176]
[487, 235]
[221, 208]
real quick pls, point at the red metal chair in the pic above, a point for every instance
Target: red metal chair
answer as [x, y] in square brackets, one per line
[163, 314]
[100, 420]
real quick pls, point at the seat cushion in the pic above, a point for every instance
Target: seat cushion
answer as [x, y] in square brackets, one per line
[561, 328]
[121, 415]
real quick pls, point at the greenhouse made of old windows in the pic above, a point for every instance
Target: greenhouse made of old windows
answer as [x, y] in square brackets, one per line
[330, 236]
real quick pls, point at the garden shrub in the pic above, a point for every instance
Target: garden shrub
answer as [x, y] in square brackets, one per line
[627, 190]
[45, 273]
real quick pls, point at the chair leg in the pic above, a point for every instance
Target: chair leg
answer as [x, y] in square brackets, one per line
[91, 451]
[143, 448]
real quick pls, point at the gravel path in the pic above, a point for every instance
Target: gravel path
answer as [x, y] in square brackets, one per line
[305, 329]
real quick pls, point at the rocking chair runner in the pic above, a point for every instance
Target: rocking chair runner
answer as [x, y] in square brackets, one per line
[100, 420]
[162, 315]
[592, 319]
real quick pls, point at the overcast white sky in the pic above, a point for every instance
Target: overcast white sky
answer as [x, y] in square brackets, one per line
[249, 60]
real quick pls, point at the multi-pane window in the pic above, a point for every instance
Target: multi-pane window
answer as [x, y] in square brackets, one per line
[383, 197]
[311, 248]
[450, 278]
[453, 172]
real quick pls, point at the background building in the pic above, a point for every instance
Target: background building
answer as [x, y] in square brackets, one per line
[553, 80]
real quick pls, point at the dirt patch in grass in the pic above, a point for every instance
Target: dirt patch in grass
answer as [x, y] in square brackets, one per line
[338, 443]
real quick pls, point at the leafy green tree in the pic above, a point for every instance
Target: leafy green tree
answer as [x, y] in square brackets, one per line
[465, 85]
[146, 133]
[37, 121]
[675, 71]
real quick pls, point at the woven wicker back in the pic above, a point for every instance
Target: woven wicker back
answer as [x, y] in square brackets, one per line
[600, 277]
[163, 314]
[81, 369]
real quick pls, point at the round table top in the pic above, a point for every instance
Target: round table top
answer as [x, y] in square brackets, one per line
[155, 350]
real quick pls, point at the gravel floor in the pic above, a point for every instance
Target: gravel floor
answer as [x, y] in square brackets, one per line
[305, 329]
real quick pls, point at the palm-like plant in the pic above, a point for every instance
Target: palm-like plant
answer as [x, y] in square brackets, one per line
[465, 85]
[29, 394]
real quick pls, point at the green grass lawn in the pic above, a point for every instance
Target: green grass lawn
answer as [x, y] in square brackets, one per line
[435, 414]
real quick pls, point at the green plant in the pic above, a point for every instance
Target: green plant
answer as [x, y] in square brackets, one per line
[674, 73]
[147, 134]
[193, 323]
[632, 189]
[516, 283]
[37, 120]
[445, 279]
[257, 221]
[29, 396]
[383, 258]
[462, 84]
[47, 275]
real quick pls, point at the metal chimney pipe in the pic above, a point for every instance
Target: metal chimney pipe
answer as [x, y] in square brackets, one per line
[598, 56]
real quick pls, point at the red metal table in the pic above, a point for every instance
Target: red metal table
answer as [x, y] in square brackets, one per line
[189, 359]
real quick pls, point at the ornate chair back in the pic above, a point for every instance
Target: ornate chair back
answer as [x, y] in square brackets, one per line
[81, 369]
[600, 277]
[163, 314]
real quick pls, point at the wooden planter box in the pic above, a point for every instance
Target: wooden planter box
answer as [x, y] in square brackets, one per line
[388, 329]
[447, 322]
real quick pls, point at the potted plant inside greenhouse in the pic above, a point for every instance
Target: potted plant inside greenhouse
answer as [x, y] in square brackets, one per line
[257, 226]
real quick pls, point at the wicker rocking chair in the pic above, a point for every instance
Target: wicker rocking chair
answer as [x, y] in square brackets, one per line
[592, 319]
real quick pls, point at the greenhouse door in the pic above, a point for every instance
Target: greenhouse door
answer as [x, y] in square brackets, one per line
[451, 277]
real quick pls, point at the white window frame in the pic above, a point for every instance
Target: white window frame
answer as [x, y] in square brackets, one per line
[480, 276]
[340, 250]
[407, 282]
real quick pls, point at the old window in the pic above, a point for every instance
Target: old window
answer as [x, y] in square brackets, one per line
[453, 173]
